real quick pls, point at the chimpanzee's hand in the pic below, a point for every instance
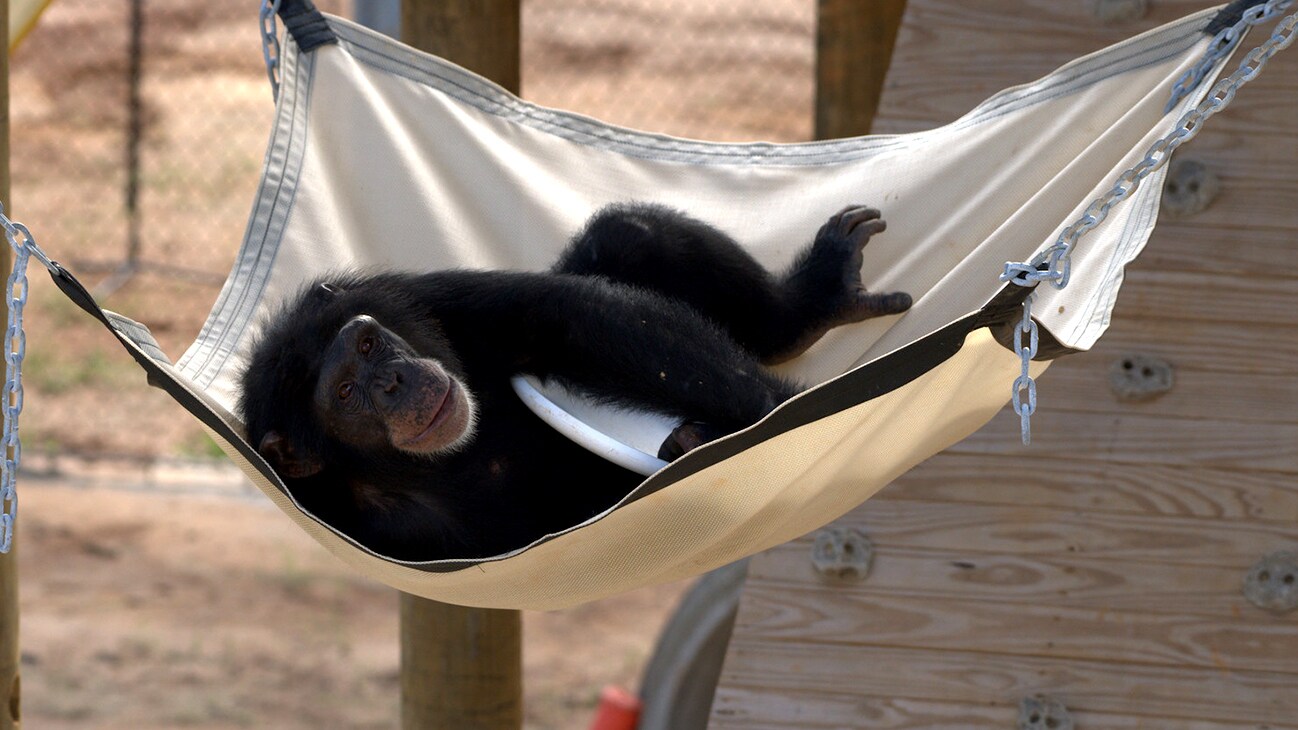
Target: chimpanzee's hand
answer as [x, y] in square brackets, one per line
[686, 437]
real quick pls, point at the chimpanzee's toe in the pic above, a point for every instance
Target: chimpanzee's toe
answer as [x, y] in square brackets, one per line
[686, 437]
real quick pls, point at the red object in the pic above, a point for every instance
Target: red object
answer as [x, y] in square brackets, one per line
[618, 710]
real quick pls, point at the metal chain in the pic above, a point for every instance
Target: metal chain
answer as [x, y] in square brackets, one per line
[270, 50]
[15, 349]
[1024, 383]
[1054, 264]
[1222, 44]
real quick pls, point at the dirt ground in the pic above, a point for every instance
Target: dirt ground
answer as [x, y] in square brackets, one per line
[158, 593]
[147, 609]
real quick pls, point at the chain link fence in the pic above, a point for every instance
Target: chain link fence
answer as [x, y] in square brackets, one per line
[138, 128]
[703, 69]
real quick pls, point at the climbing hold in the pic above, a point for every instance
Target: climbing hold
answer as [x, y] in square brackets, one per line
[843, 552]
[1190, 188]
[1043, 713]
[1272, 582]
[1113, 12]
[1137, 377]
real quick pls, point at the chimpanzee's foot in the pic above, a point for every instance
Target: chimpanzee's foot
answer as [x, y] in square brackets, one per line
[823, 289]
[686, 437]
[841, 243]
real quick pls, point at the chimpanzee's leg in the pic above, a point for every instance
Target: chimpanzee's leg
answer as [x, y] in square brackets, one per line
[775, 318]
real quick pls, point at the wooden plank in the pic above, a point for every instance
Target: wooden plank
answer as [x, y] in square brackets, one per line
[950, 56]
[1230, 248]
[1223, 347]
[839, 686]
[1250, 136]
[943, 86]
[1082, 383]
[1244, 324]
[1210, 297]
[1257, 195]
[1040, 479]
[829, 617]
[834, 712]
[963, 530]
[1072, 581]
[1104, 562]
[1008, 24]
[1136, 438]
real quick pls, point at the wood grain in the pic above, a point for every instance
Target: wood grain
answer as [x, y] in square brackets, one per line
[841, 686]
[1083, 381]
[480, 35]
[951, 55]
[1140, 439]
[854, 42]
[1223, 248]
[460, 667]
[1077, 581]
[1257, 189]
[962, 530]
[1221, 347]
[833, 617]
[1103, 564]
[1210, 297]
[1098, 487]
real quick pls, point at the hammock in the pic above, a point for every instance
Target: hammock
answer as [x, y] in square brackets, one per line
[383, 156]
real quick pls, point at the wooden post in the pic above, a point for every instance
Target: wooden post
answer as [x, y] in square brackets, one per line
[460, 667]
[463, 667]
[480, 35]
[854, 40]
[10, 716]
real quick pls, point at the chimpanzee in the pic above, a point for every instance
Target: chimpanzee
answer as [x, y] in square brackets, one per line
[383, 399]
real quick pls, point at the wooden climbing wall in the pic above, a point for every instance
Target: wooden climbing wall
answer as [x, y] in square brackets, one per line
[1102, 566]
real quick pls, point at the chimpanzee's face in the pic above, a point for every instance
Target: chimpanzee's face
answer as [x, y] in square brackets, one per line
[375, 392]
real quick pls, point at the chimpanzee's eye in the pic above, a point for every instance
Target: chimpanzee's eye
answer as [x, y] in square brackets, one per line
[345, 390]
[365, 345]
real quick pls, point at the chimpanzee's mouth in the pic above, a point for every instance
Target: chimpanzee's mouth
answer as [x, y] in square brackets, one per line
[444, 409]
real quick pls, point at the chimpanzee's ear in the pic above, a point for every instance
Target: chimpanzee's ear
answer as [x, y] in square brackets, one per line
[286, 459]
[324, 291]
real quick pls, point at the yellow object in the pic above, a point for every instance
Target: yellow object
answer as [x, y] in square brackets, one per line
[23, 15]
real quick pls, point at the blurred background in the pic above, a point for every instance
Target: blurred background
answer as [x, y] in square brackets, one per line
[157, 589]
[139, 128]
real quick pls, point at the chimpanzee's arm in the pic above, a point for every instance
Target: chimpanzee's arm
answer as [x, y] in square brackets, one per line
[616, 342]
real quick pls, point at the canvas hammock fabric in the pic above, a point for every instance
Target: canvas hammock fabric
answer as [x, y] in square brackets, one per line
[383, 156]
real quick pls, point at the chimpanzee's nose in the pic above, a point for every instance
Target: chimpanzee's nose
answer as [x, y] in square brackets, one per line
[392, 383]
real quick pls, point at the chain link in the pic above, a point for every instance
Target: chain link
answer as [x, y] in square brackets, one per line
[1221, 46]
[1054, 264]
[1024, 383]
[15, 349]
[270, 50]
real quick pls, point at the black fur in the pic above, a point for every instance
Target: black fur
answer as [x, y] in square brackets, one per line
[646, 308]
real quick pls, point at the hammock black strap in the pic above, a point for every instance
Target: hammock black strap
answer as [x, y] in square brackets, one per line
[1229, 16]
[306, 24]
